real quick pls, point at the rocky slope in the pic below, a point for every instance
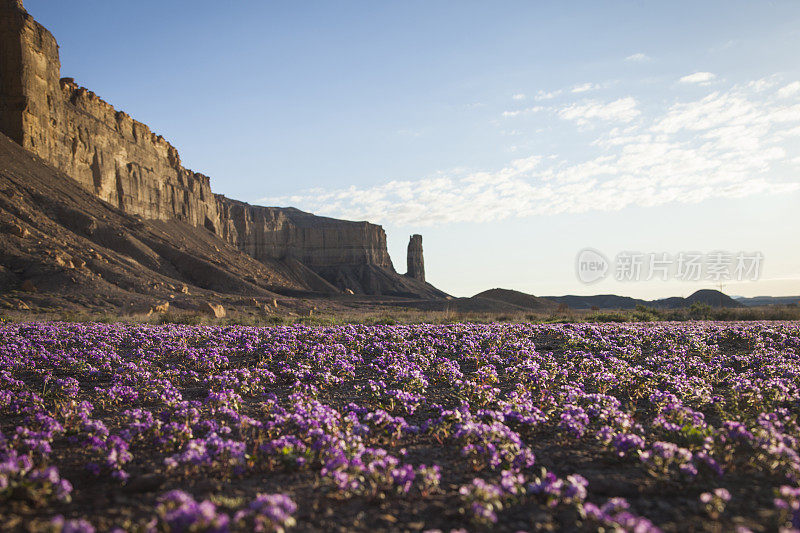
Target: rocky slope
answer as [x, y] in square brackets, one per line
[123, 163]
[62, 247]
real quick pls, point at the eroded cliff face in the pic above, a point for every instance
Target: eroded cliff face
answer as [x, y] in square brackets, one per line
[270, 232]
[111, 155]
[124, 163]
[14, 79]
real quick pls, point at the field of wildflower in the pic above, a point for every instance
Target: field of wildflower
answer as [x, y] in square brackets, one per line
[637, 427]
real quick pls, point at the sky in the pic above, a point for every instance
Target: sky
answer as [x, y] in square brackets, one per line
[511, 135]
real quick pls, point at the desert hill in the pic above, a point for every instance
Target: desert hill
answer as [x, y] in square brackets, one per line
[709, 297]
[600, 301]
[769, 300]
[712, 298]
[517, 299]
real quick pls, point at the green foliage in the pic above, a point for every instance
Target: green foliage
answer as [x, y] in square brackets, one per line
[645, 314]
[187, 319]
[318, 320]
[609, 317]
[700, 311]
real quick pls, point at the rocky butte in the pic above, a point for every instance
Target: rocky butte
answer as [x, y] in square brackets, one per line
[416, 264]
[122, 162]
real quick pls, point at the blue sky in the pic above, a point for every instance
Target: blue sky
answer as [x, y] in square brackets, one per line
[510, 134]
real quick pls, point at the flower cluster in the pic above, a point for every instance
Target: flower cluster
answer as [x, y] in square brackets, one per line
[178, 511]
[20, 480]
[268, 512]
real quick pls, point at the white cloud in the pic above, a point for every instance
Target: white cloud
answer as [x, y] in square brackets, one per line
[518, 96]
[544, 95]
[517, 112]
[714, 110]
[584, 87]
[638, 58]
[763, 84]
[789, 90]
[622, 110]
[701, 78]
[732, 143]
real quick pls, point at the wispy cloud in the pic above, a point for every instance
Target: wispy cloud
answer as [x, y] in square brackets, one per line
[700, 78]
[584, 87]
[763, 84]
[518, 96]
[517, 112]
[622, 110]
[544, 95]
[638, 58]
[789, 90]
[728, 144]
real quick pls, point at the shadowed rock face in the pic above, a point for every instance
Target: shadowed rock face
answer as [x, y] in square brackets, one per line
[125, 164]
[416, 264]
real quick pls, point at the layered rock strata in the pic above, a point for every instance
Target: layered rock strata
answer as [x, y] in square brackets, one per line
[125, 164]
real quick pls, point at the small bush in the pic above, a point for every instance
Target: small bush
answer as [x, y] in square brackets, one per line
[317, 320]
[241, 320]
[275, 320]
[186, 319]
[608, 317]
[700, 311]
[644, 314]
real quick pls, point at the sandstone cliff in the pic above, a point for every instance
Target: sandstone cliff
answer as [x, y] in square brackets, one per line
[108, 153]
[269, 232]
[125, 164]
[415, 262]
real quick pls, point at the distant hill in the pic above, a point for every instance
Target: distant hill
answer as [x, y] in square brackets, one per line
[517, 298]
[612, 301]
[509, 301]
[600, 301]
[708, 297]
[769, 300]
[491, 301]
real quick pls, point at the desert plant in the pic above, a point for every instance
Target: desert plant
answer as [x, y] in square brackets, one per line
[700, 311]
[187, 319]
